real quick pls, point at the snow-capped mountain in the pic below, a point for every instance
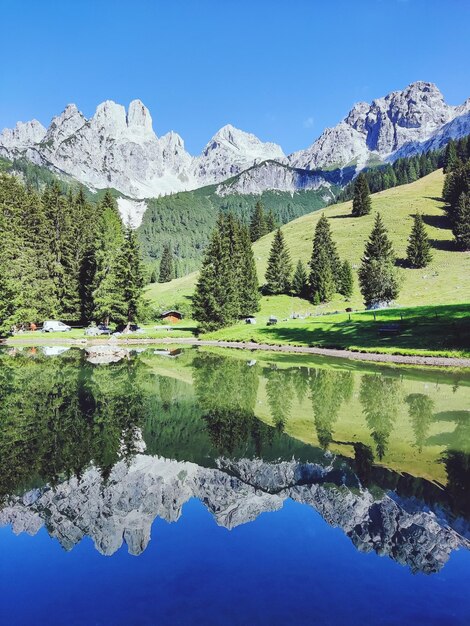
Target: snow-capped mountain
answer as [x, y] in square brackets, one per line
[118, 148]
[393, 126]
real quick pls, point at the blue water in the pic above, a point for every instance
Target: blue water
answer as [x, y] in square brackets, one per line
[109, 450]
[287, 567]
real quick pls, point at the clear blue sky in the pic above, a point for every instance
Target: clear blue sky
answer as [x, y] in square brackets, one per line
[283, 69]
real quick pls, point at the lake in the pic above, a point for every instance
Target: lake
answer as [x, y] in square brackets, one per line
[206, 486]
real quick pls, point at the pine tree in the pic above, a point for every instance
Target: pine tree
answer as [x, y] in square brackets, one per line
[451, 159]
[325, 266]
[249, 296]
[346, 287]
[129, 280]
[167, 265]
[215, 302]
[300, 281]
[258, 226]
[279, 271]
[461, 225]
[377, 275]
[419, 248]
[271, 223]
[153, 276]
[361, 200]
[107, 292]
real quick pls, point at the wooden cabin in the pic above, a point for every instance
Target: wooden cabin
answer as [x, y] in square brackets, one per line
[173, 317]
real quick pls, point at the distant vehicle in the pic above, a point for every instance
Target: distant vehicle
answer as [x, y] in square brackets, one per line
[96, 331]
[54, 326]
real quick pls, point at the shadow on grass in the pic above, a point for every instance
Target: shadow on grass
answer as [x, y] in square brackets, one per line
[420, 332]
[435, 198]
[443, 244]
[437, 221]
[341, 217]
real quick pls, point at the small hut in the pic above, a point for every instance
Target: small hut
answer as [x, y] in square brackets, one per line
[173, 317]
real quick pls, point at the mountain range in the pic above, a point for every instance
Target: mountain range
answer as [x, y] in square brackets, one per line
[119, 149]
[123, 508]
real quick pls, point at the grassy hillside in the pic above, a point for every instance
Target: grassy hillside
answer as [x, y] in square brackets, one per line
[445, 280]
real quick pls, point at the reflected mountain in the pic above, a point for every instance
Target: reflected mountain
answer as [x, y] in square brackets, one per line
[123, 507]
[101, 448]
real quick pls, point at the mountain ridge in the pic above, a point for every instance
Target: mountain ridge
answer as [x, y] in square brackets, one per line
[118, 148]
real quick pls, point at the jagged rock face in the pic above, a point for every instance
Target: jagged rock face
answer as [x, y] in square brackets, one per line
[382, 128]
[119, 149]
[274, 176]
[24, 135]
[229, 152]
[124, 508]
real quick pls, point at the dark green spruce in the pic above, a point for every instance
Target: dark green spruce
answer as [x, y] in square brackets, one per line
[361, 200]
[377, 275]
[325, 265]
[279, 271]
[418, 253]
[167, 265]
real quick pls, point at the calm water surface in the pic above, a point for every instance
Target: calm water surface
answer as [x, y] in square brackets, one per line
[211, 487]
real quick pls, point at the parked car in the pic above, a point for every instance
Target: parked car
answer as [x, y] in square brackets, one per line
[54, 326]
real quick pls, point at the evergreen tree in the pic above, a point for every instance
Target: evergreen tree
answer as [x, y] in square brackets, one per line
[153, 276]
[271, 223]
[361, 200]
[419, 248]
[451, 159]
[215, 299]
[461, 225]
[377, 275]
[167, 266]
[279, 271]
[249, 295]
[346, 286]
[300, 281]
[258, 226]
[325, 266]
[107, 294]
[129, 280]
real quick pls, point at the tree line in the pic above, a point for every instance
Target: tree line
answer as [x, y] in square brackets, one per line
[227, 288]
[401, 172]
[456, 190]
[64, 257]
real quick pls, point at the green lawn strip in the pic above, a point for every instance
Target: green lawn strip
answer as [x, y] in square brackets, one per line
[426, 331]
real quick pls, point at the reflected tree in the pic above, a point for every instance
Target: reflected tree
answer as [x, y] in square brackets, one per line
[328, 390]
[280, 392]
[380, 398]
[420, 409]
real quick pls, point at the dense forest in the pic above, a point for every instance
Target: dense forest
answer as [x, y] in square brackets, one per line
[187, 219]
[64, 257]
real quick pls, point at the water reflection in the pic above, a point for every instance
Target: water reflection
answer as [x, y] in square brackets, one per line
[102, 449]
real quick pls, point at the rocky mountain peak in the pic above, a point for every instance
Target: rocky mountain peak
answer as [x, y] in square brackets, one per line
[110, 118]
[23, 135]
[65, 124]
[138, 117]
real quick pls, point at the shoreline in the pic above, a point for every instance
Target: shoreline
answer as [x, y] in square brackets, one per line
[373, 357]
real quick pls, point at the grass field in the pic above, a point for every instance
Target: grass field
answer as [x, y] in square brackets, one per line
[446, 280]
[439, 330]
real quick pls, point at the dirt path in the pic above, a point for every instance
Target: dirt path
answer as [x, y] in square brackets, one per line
[374, 357]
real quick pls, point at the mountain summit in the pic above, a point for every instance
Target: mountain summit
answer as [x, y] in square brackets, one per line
[376, 131]
[118, 148]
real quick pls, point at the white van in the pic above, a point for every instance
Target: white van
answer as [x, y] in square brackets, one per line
[53, 326]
